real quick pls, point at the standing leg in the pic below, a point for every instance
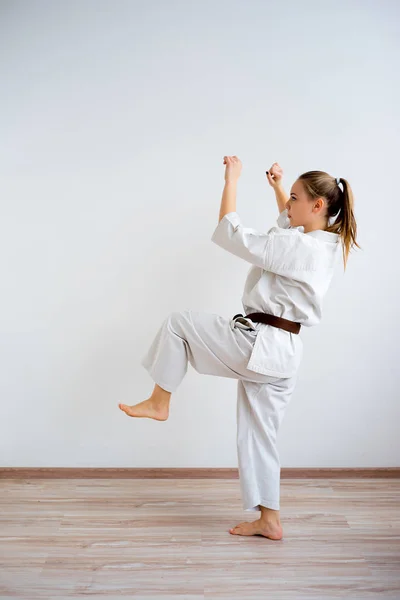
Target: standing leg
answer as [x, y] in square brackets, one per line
[260, 410]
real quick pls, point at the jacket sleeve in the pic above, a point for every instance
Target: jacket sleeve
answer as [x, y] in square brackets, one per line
[283, 219]
[244, 242]
[286, 252]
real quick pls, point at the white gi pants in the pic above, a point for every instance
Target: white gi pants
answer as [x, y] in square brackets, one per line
[215, 345]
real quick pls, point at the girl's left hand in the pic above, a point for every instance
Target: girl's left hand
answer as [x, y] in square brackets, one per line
[233, 168]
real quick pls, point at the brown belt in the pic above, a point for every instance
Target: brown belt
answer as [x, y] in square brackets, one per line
[260, 317]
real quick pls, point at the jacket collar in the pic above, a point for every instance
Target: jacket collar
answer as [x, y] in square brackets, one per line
[328, 236]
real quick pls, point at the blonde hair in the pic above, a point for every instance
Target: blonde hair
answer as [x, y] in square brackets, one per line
[340, 204]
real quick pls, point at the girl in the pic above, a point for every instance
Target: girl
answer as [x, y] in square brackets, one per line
[291, 268]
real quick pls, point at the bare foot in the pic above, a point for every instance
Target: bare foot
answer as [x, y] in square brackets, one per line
[270, 530]
[147, 408]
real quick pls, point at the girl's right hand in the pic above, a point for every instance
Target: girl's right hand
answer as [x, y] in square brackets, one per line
[274, 175]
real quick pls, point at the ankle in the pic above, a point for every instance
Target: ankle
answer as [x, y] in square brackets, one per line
[270, 516]
[270, 520]
[160, 402]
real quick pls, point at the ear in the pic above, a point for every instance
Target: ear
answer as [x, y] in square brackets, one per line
[319, 204]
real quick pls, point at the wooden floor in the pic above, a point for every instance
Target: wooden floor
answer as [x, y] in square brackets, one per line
[169, 539]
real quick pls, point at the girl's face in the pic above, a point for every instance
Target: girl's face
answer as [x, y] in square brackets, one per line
[301, 210]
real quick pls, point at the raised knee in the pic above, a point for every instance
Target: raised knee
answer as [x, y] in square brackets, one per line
[174, 317]
[175, 320]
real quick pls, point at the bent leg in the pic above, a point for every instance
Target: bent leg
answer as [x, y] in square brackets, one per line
[205, 340]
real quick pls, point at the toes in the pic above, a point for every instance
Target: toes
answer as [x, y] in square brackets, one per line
[237, 528]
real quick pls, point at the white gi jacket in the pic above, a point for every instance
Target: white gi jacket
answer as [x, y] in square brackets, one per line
[290, 274]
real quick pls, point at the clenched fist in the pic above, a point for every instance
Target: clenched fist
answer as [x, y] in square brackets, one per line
[274, 175]
[233, 168]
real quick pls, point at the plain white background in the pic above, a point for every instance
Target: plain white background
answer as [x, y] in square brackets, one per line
[115, 117]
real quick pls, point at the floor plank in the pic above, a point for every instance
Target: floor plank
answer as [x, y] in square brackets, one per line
[168, 539]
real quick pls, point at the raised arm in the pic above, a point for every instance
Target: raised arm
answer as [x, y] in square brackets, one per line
[285, 252]
[281, 197]
[274, 176]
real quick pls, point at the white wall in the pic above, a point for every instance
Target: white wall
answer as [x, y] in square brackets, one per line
[115, 117]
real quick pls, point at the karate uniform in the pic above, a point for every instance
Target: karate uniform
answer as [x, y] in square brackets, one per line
[289, 275]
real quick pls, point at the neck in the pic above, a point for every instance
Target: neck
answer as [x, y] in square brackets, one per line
[315, 226]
